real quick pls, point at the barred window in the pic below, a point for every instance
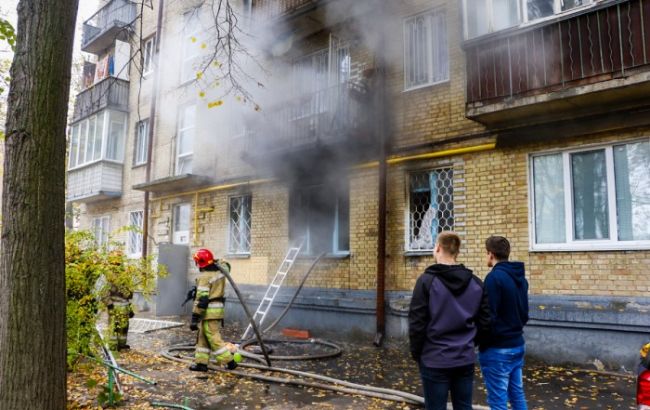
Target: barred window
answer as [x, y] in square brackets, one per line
[240, 224]
[431, 207]
[135, 234]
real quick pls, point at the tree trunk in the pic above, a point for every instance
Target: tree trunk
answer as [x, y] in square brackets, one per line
[32, 271]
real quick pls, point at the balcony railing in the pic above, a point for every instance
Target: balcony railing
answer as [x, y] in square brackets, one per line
[587, 47]
[95, 181]
[278, 8]
[330, 115]
[110, 92]
[107, 25]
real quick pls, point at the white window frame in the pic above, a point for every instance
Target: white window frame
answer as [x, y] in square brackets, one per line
[134, 244]
[104, 129]
[140, 142]
[232, 248]
[429, 47]
[104, 223]
[570, 243]
[522, 12]
[191, 28]
[177, 236]
[190, 154]
[148, 50]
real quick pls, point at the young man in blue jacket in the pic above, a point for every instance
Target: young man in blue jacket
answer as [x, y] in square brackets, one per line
[447, 310]
[502, 352]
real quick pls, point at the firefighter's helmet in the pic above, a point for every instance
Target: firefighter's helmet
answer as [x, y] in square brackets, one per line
[203, 258]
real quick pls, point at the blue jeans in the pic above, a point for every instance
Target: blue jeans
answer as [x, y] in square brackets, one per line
[502, 374]
[438, 383]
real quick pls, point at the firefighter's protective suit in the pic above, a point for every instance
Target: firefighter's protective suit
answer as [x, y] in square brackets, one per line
[119, 311]
[208, 314]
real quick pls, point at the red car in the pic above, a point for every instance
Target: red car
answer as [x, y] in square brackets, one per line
[643, 380]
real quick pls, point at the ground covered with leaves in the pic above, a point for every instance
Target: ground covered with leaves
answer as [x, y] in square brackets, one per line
[547, 387]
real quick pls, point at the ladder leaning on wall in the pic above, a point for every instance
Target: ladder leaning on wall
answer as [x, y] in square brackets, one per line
[274, 287]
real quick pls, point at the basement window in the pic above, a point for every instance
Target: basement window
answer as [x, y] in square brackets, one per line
[240, 225]
[431, 207]
[319, 215]
[595, 198]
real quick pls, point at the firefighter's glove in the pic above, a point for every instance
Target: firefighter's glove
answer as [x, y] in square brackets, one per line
[203, 302]
[194, 324]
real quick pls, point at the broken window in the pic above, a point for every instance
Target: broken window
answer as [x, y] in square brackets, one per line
[240, 225]
[431, 207]
[319, 215]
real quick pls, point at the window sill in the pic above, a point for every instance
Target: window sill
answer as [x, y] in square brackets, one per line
[135, 166]
[419, 87]
[419, 253]
[238, 255]
[591, 247]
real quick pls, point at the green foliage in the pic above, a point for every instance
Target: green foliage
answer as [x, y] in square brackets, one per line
[7, 33]
[91, 271]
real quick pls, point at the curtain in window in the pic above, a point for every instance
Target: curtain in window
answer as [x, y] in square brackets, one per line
[549, 199]
[433, 206]
[632, 175]
[590, 206]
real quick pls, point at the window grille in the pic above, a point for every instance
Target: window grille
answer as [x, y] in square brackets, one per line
[431, 207]
[240, 224]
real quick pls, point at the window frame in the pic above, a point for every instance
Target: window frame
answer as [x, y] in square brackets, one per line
[429, 37]
[190, 154]
[231, 249]
[407, 211]
[571, 244]
[106, 115]
[139, 160]
[138, 235]
[189, 30]
[105, 235]
[148, 47]
[175, 218]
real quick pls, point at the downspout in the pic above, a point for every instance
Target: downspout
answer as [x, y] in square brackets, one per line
[381, 219]
[152, 121]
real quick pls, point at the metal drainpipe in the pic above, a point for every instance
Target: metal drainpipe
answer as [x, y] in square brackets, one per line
[381, 223]
[152, 121]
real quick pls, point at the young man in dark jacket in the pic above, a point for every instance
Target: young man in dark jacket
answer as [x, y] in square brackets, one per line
[448, 307]
[502, 352]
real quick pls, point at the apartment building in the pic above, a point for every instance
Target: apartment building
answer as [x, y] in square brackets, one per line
[520, 118]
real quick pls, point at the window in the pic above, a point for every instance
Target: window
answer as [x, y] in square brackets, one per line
[101, 230]
[140, 143]
[181, 224]
[487, 16]
[431, 207]
[426, 55]
[148, 49]
[320, 216]
[185, 146]
[192, 45]
[240, 225]
[590, 199]
[98, 137]
[135, 233]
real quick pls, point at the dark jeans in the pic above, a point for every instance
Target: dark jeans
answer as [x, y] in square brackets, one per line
[438, 383]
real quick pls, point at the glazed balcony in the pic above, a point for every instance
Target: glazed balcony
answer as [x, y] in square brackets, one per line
[110, 23]
[587, 62]
[95, 182]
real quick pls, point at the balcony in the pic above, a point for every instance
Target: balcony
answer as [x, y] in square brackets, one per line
[109, 92]
[110, 23]
[585, 63]
[95, 182]
[338, 114]
[274, 8]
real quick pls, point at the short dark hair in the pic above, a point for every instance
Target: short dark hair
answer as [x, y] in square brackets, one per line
[499, 246]
[449, 242]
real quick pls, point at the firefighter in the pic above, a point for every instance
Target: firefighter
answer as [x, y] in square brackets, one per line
[208, 313]
[118, 304]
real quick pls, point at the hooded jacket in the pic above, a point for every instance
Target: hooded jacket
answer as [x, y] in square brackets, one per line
[507, 290]
[447, 310]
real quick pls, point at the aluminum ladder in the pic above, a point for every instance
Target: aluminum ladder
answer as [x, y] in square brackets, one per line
[272, 290]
